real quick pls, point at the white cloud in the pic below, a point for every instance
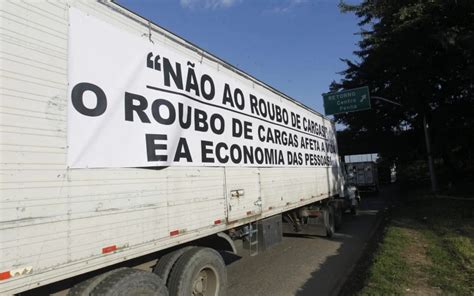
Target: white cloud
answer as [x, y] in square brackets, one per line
[298, 2]
[207, 4]
[287, 6]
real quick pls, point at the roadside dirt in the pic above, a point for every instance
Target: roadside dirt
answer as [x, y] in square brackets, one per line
[417, 259]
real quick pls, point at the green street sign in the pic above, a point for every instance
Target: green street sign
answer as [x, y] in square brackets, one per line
[350, 100]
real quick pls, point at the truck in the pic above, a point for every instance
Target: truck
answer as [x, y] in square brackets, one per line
[122, 142]
[363, 175]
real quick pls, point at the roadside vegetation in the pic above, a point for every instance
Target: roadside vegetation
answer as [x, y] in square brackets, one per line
[428, 249]
[418, 55]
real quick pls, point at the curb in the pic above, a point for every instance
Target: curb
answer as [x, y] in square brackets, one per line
[345, 286]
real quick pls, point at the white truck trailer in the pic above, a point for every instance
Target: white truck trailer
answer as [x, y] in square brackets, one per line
[120, 140]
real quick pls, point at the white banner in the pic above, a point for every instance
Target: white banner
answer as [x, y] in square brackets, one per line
[134, 103]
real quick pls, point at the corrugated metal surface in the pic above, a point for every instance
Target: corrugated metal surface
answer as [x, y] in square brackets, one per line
[55, 221]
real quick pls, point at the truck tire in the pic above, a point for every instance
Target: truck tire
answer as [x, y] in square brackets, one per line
[131, 282]
[329, 221]
[355, 209]
[165, 264]
[338, 217]
[86, 287]
[200, 271]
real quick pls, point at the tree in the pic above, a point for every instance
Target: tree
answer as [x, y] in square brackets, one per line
[419, 53]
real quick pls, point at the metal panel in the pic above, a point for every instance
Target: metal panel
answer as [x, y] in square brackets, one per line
[269, 232]
[51, 217]
[243, 193]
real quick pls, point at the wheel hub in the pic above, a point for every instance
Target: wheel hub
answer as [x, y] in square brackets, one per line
[200, 284]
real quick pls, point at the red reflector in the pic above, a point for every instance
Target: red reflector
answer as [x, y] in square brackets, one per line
[174, 232]
[5, 275]
[109, 249]
[218, 221]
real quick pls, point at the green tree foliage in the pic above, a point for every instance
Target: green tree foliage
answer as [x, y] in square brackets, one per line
[419, 53]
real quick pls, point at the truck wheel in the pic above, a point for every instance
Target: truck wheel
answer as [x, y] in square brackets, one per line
[338, 217]
[85, 288]
[131, 282]
[329, 221]
[200, 271]
[165, 264]
[355, 209]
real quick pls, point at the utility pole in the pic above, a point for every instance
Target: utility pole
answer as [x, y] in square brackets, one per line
[434, 183]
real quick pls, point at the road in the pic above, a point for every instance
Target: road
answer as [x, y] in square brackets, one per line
[307, 265]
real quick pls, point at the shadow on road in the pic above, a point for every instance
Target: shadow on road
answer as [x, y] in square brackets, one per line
[354, 236]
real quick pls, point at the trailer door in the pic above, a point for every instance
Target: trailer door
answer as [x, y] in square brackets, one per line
[369, 174]
[361, 174]
[242, 192]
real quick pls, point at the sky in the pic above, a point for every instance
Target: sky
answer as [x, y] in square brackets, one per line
[294, 46]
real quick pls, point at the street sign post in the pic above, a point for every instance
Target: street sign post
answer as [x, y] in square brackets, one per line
[356, 99]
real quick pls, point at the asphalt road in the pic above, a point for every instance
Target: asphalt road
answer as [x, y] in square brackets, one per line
[307, 265]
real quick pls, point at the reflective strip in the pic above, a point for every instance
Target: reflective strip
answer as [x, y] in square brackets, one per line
[5, 275]
[109, 249]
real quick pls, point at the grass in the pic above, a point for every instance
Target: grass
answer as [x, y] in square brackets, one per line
[428, 248]
[387, 268]
[449, 270]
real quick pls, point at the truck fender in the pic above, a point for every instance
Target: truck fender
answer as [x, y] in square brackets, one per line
[219, 241]
[227, 238]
